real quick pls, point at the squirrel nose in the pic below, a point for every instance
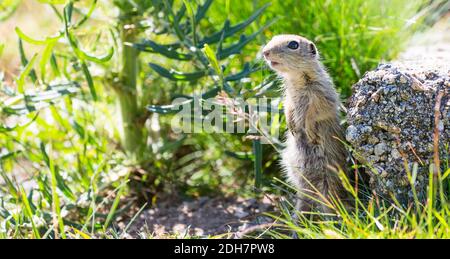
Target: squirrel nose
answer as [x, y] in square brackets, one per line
[266, 53]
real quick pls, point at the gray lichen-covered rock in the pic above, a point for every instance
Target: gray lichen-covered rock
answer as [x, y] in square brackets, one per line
[391, 122]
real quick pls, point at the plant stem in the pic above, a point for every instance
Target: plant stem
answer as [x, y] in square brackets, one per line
[132, 127]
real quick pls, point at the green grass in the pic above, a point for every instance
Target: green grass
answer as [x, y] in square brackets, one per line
[65, 174]
[370, 218]
[352, 36]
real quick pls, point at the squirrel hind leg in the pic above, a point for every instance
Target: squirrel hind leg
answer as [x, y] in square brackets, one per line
[301, 207]
[304, 207]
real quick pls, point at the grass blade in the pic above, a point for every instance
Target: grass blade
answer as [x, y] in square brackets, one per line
[29, 212]
[115, 204]
[26, 71]
[56, 208]
[24, 61]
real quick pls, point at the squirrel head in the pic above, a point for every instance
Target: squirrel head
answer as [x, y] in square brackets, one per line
[290, 54]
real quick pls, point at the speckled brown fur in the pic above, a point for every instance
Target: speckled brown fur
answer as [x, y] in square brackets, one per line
[314, 150]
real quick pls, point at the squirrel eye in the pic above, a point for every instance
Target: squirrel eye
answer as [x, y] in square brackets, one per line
[293, 45]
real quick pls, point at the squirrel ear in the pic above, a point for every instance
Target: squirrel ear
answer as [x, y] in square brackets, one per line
[313, 49]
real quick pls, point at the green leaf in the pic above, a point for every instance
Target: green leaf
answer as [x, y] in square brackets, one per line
[112, 211]
[29, 212]
[446, 174]
[208, 94]
[79, 129]
[9, 183]
[44, 154]
[180, 14]
[172, 145]
[30, 40]
[68, 11]
[99, 59]
[54, 65]
[244, 73]
[7, 8]
[63, 187]
[8, 155]
[227, 8]
[190, 11]
[246, 156]
[175, 75]
[167, 109]
[175, 108]
[55, 197]
[26, 71]
[201, 10]
[88, 14]
[44, 188]
[175, 23]
[211, 93]
[266, 88]
[21, 105]
[133, 219]
[24, 61]
[4, 129]
[55, 10]
[2, 47]
[209, 53]
[6, 180]
[46, 55]
[228, 31]
[243, 41]
[151, 46]
[228, 89]
[89, 80]
[82, 55]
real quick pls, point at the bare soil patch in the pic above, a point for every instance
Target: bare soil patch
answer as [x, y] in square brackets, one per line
[222, 217]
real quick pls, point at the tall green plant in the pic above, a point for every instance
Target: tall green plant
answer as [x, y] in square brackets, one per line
[114, 60]
[205, 51]
[132, 117]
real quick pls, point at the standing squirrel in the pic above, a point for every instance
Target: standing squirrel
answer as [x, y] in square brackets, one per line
[314, 152]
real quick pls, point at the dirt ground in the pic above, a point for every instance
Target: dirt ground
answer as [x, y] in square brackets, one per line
[220, 217]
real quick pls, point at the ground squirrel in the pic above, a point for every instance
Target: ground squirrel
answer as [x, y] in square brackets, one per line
[313, 147]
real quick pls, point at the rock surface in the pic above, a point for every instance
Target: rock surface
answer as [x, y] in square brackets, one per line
[391, 119]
